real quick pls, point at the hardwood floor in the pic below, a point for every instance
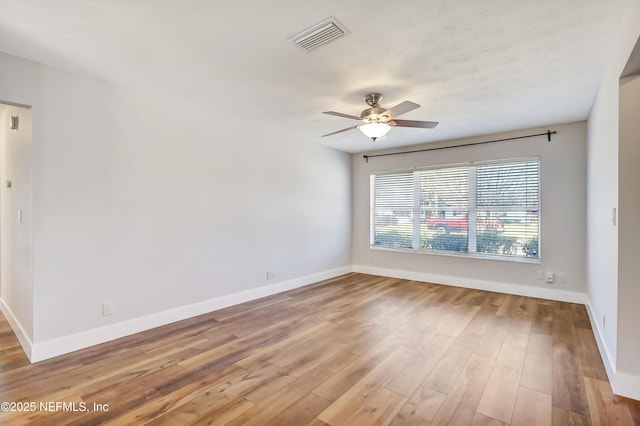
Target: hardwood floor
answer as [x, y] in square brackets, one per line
[354, 350]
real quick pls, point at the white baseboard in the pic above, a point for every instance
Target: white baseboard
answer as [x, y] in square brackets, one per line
[62, 345]
[17, 328]
[625, 385]
[499, 287]
[621, 384]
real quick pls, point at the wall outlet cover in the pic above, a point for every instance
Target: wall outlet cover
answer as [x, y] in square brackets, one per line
[107, 309]
[548, 276]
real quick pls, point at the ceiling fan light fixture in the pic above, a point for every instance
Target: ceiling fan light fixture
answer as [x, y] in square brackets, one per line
[374, 130]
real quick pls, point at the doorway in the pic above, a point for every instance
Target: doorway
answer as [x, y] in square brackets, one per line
[16, 284]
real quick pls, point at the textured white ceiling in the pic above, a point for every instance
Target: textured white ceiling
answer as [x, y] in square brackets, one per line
[476, 66]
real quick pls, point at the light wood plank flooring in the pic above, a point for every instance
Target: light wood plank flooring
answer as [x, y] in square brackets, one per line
[354, 350]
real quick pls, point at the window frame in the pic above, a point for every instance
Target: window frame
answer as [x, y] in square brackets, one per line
[471, 210]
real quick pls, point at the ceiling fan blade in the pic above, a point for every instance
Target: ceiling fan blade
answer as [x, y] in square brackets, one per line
[339, 114]
[415, 123]
[340, 131]
[402, 108]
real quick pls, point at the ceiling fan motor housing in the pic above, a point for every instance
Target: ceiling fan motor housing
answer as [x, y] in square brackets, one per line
[374, 115]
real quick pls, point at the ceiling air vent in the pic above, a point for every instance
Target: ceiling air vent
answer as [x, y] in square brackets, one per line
[322, 33]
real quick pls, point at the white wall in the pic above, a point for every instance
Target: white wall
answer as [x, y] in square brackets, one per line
[629, 225]
[563, 218]
[159, 206]
[603, 289]
[16, 290]
[602, 198]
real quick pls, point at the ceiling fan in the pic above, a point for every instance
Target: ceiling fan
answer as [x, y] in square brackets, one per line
[377, 121]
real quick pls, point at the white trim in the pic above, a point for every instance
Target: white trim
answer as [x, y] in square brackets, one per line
[23, 337]
[621, 384]
[464, 255]
[499, 287]
[625, 385]
[608, 361]
[73, 342]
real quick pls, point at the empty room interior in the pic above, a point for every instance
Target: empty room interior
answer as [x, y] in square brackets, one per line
[345, 213]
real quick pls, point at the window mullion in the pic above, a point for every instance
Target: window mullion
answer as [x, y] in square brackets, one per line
[416, 210]
[372, 209]
[472, 215]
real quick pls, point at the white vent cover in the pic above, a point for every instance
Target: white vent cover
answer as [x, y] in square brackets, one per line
[322, 33]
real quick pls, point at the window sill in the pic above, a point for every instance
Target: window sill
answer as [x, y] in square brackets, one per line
[477, 256]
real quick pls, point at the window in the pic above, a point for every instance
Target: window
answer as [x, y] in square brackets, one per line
[480, 209]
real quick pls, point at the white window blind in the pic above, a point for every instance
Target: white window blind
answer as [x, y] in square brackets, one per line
[393, 210]
[480, 209]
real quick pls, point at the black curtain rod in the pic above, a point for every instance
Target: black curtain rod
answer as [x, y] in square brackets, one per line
[548, 134]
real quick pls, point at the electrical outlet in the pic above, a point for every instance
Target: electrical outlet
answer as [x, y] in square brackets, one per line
[548, 276]
[540, 275]
[107, 309]
[604, 322]
[271, 274]
[562, 277]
